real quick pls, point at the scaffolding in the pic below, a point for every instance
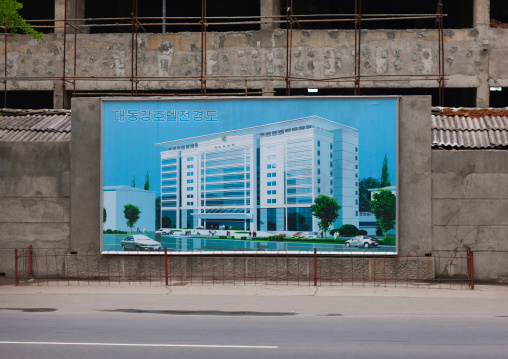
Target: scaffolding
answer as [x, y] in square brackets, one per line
[290, 19]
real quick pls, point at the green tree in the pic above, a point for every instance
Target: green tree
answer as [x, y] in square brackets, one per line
[147, 182]
[385, 175]
[158, 212]
[10, 17]
[104, 215]
[133, 182]
[383, 207]
[364, 194]
[166, 222]
[131, 214]
[326, 209]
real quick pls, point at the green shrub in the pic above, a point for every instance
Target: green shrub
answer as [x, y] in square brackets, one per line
[348, 230]
[108, 231]
[332, 232]
[362, 232]
[232, 237]
[243, 237]
[390, 241]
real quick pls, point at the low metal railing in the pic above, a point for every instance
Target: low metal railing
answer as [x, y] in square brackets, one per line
[55, 267]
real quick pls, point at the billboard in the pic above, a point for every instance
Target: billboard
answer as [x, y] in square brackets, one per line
[250, 174]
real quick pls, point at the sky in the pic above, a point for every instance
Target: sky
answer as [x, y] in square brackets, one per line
[132, 128]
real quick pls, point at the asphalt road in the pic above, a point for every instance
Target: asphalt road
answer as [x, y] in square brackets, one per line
[203, 325]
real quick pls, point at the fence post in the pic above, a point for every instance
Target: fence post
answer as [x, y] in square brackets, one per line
[315, 267]
[166, 264]
[30, 260]
[470, 267]
[16, 274]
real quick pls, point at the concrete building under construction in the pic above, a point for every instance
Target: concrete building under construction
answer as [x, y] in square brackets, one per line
[454, 50]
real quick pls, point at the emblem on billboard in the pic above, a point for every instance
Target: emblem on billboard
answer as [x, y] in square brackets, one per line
[223, 137]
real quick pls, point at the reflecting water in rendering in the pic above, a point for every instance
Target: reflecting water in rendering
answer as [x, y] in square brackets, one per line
[190, 243]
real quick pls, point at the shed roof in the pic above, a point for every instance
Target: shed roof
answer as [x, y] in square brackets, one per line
[470, 128]
[35, 125]
[460, 128]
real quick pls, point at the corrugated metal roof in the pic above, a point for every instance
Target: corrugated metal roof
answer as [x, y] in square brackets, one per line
[467, 132]
[469, 128]
[35, 125]
[466, 128]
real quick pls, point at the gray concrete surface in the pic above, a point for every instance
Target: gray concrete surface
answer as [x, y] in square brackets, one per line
[34, 198]
[414, 182]
[474, 57]
[86, 175]
[469, 206]
[485, 300]
[260, 321]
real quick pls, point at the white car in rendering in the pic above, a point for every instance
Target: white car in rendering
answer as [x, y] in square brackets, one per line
[313, 235]
[140, 242]
[164, 231]
[362, 241]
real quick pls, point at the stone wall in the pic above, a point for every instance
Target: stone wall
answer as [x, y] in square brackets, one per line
[34, 198]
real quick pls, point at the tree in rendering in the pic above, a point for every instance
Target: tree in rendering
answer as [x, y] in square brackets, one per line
[104, 215]
[326, 209]
[364, 194]
[385, 175]
[166, 222]
[131, 214]
[133, 182]
[383, 207]
[147, 182]
[158, 212]
[10, 18]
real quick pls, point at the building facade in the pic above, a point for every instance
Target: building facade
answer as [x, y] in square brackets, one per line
[116, 197]
[260, 178]
[399, 53]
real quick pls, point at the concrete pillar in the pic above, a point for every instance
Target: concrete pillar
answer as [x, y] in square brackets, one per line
[269, 8]
[481, 18]
[71, 14]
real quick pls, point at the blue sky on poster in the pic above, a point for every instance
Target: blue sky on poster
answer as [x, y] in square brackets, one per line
[130, 135]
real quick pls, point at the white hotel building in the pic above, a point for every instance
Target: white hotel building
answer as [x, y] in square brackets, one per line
[261, 178]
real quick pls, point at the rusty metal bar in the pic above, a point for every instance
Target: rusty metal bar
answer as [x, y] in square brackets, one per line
[315, 268]
[166, 264]
[358, 36]
[64, 53]
[5, 67]
[132, 49]
[136, 47]
[16, 272]
[75, 44]
[30, 263]
[441, 52]
[470, 267]
[203, 47]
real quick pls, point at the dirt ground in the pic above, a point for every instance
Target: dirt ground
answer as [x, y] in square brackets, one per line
[6, 281]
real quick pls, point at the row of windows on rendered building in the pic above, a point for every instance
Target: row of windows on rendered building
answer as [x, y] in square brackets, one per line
[169, 184]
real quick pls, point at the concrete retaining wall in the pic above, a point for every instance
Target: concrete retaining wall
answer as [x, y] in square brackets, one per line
[449, 200]
[470, 207]
[34, 198]
[238, 269]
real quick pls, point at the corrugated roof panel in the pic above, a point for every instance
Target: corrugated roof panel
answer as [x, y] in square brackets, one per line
[468, 132]
[29, 125]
